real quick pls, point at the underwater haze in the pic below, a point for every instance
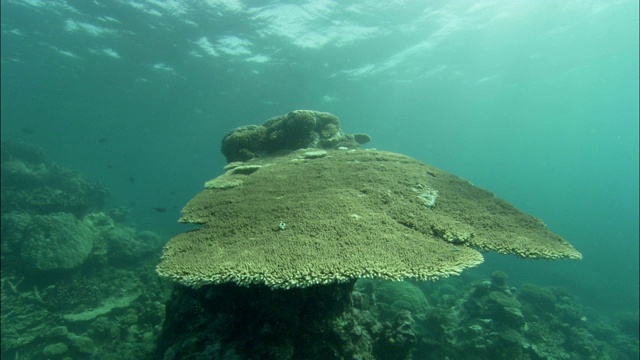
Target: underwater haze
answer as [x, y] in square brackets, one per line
[536, 101]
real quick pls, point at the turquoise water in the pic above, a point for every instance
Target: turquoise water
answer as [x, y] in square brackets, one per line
[536, 101]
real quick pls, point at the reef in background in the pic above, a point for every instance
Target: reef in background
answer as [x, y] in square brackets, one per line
[78, 282]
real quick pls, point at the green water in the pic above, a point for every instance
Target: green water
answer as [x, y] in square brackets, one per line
[536, 101]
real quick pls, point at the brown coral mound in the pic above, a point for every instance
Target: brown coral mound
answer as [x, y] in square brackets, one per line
[298, 220]
[295, 130]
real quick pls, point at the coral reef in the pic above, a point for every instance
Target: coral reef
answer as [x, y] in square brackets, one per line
[490, 320]
[317, 322]
[253, 322]
[56, 241]
[298, 129]
[33, 184]
[120, 243]
[348, 214]
[77, 283]
[386, 320]
[287, 230]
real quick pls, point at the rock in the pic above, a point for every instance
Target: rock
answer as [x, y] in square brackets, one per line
[81, 343]
[55, 350]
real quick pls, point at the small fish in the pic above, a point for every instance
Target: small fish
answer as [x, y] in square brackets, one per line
[132, 180]
[110, 166]
[160, 209]
[103, 140]
[28, 130]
